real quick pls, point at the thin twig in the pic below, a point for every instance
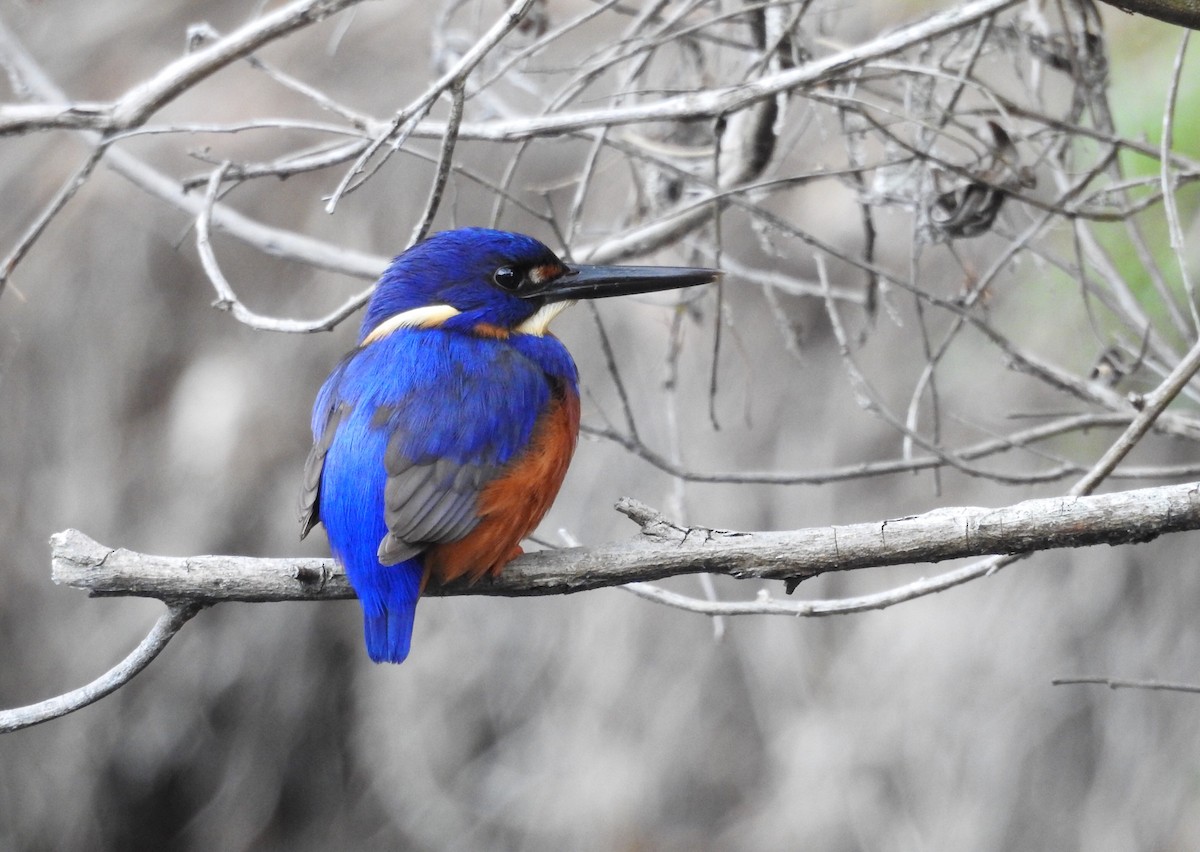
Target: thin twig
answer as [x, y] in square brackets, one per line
[1170, 207]
[765, 604]
[144, 99]
[65, 193]
[227, 299]
[1116, 683]
[445, 161]
[1153, 405]
[168, 624]
[404, 120]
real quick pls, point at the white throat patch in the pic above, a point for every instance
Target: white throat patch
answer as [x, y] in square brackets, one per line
[539, 323]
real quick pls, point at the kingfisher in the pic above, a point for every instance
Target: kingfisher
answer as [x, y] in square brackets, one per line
[440, 441]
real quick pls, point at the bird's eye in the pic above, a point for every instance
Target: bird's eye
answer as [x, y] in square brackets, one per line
[506, 278]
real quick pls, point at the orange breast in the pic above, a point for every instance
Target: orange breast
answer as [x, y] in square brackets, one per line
[512, 505]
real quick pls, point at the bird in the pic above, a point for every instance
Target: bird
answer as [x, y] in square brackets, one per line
[441, 440]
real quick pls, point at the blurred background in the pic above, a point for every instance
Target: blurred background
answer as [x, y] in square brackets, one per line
[134, 411]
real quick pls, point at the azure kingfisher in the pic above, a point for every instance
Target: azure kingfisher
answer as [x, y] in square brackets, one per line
[441, 440]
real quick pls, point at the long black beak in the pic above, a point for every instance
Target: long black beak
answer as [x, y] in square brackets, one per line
[600, 282]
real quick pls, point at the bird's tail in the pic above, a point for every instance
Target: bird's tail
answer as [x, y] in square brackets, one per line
[389, 603]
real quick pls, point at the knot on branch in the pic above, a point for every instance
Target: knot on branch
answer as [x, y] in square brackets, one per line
[312, 578]
[655, 525]
[74, 551]
[652, 522]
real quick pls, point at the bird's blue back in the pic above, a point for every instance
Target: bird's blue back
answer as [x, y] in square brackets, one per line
[437, 394]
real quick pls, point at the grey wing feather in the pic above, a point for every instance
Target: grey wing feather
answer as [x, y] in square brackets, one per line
[429, 503]
[406, 488]
[455, 522]
[310, 492]
[394, 550]
[423, 503]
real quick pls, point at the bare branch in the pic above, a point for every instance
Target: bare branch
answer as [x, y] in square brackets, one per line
[168, 624]
[765, 604]
[146, 98]
[1115, 683]
[1170, 207]
[35, 229]
[1185, 13]
[454, 78]
[719, 101]
[270, 240]
[1153, 406]
[227, 299]
[1024, 439]
[664, 550]
[445, 161]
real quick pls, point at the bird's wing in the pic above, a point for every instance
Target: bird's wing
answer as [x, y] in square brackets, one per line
[429, 503]
[446, 440]
[462, 419]
[328, 414]
[310, 492]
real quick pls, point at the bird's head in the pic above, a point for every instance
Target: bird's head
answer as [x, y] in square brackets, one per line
[477, 278]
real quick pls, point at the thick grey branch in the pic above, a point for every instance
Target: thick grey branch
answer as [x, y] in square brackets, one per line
[665, 549]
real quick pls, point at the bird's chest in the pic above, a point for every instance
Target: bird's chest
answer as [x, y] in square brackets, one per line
[446, 395]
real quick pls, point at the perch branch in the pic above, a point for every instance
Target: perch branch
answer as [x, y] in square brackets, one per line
[665, 549]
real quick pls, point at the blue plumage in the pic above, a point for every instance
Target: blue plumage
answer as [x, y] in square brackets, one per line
[421, 395]
[440, 441]
[456, 268]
